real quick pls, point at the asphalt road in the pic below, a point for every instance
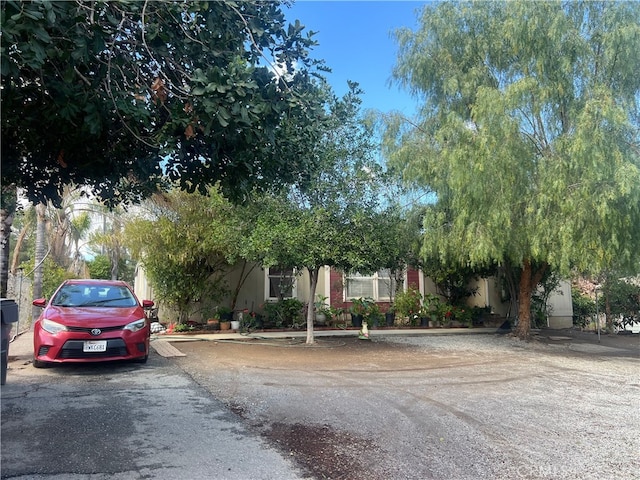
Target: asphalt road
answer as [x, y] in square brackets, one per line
[125, 421]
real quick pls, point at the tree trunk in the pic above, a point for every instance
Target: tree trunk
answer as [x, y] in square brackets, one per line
[41, 242]
[18, 247]
[58, 238]
[529, 280]
[607, 311]
[313, 276]
[114, 255]
[508, 274]
[115, 249]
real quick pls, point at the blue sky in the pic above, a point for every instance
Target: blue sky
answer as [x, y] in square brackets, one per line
[355, 39]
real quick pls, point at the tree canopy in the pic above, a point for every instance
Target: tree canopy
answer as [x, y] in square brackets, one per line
[333, 217]
[114, 94]
[528, 134]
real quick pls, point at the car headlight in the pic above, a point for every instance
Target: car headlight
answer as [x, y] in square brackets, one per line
[136, 326]
[52, 327]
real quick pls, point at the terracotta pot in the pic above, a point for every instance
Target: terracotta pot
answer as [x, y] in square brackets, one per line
[225, 325]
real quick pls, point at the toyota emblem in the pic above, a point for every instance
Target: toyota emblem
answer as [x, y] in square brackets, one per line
[96, 331]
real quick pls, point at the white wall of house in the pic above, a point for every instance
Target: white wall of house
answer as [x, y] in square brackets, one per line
[488, 294]
[560, 307]
[254, 291]
[427, 285]
[141, 285]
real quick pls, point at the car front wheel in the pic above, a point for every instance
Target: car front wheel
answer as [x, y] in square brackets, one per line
[39, 364]
[142, 359]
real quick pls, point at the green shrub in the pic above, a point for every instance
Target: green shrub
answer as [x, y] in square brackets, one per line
[584, 308]
[407, 303]
[285, 313]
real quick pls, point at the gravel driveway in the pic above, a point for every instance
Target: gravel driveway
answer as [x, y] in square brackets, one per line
[433, 407]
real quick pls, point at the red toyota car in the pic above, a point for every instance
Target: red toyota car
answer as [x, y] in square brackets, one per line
[91, 321]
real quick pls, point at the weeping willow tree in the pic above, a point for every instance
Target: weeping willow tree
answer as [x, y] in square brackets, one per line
[527, 135]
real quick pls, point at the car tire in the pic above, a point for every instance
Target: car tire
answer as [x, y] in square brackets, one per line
[39, 364]
[143, 359]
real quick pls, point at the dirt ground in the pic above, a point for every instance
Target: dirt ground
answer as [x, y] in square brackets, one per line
[451, 407]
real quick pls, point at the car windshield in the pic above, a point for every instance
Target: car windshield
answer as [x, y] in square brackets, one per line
[94, 296]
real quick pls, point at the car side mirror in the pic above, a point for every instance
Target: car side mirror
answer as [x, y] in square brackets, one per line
[147, 303]
[40, 302]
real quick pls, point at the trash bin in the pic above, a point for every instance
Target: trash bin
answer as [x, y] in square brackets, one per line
[9, 317]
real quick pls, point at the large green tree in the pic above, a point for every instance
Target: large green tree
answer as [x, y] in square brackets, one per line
[527, 135]
[108, 94]
[331, 217]
[113, 96]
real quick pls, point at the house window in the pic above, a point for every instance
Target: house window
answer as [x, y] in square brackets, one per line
[378, 286]
[280, 283]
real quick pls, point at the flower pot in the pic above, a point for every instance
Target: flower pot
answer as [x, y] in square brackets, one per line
[424, 321]
[390, 319]
[235, 324]
[321, 318]
[356, 320]
[225, 325]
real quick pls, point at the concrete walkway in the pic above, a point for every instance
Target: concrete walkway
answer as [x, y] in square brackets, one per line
[339, 332]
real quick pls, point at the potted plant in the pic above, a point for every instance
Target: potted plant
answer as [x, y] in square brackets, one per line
[408, 304]
[211, 317]
[429, 311]
[424, 316]
[374, 316]
[357, 310]
[337, 316]
[322, 311]
[225, 315]
[448, 314]
[464, 316]
[360, 308]
[390, 316]
[213, 323]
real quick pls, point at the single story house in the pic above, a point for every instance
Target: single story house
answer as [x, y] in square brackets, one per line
[266, 284]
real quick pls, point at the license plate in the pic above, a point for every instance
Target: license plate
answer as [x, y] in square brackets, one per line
[95, 346]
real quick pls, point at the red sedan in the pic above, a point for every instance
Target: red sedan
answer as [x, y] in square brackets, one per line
[91, 321]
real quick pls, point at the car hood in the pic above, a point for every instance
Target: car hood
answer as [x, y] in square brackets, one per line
[82, 316]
